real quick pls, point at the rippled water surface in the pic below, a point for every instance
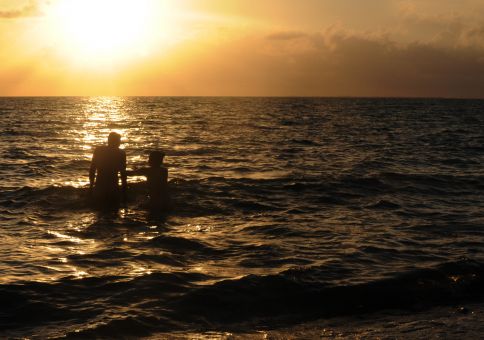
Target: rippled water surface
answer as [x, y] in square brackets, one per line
[281, 206]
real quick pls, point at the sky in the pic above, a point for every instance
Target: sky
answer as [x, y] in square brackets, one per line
[378, 48]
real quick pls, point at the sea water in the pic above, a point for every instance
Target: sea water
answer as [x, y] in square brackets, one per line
[284, 210]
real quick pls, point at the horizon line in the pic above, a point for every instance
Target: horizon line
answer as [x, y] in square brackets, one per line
[244, 96]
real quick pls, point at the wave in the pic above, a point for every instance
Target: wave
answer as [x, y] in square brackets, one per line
[81, 301]
[51, 197]
[289, 294]
[187, 198]
[174, 301]
[178, 244]
[285, 194]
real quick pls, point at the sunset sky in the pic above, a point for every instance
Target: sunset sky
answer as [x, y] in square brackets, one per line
[242, 47]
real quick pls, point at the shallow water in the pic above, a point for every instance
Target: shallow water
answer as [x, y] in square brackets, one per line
[285, 210]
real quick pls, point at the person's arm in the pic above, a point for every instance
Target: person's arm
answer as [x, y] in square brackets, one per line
[122, 171]
[92, 170]
[164, 178]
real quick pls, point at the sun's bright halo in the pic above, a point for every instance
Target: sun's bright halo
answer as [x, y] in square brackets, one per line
[103, 31]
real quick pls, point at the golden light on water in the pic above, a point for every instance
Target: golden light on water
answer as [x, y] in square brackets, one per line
[100, 112]
[68, 237]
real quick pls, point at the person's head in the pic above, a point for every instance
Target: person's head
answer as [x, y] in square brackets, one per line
[114, 140]
[156, 158]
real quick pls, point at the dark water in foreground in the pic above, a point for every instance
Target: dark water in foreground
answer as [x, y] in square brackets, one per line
[286, 210]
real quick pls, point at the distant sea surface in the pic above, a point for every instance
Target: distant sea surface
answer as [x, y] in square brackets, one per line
[285, 210]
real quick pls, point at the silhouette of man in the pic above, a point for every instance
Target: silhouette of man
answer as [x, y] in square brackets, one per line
[107, 162]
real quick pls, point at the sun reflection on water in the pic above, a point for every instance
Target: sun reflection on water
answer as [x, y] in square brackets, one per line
[78, 183]
[101, 116]
[69, 238]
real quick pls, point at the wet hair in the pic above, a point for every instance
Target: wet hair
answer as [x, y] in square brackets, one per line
[156, 158]
[114, 139]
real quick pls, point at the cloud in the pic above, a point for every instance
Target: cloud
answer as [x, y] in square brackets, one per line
[31, 9]
[450, 24]
[330, 63]
[287, 35]
[380, 67]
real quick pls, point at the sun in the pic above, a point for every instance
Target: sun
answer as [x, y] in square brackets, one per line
[102, 32]
[102, 25]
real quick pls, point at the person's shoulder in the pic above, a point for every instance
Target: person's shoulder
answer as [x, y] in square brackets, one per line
[118, 152]
[99, 148]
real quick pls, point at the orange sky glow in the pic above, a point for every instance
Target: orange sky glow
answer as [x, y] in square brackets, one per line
[405, 48]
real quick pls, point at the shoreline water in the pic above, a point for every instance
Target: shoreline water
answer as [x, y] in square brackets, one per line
[464, 321]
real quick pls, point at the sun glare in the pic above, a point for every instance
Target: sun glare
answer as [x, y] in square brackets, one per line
[102, 32]
[103, 25]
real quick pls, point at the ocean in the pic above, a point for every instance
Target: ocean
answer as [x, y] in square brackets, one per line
[285, 211]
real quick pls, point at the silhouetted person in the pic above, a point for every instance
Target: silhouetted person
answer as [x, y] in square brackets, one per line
[107, 162]
[157, 180]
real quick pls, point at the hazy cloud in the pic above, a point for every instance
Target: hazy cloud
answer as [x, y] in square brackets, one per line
[289, 35]
[425, 53]
[336, 63]
[31, 9]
